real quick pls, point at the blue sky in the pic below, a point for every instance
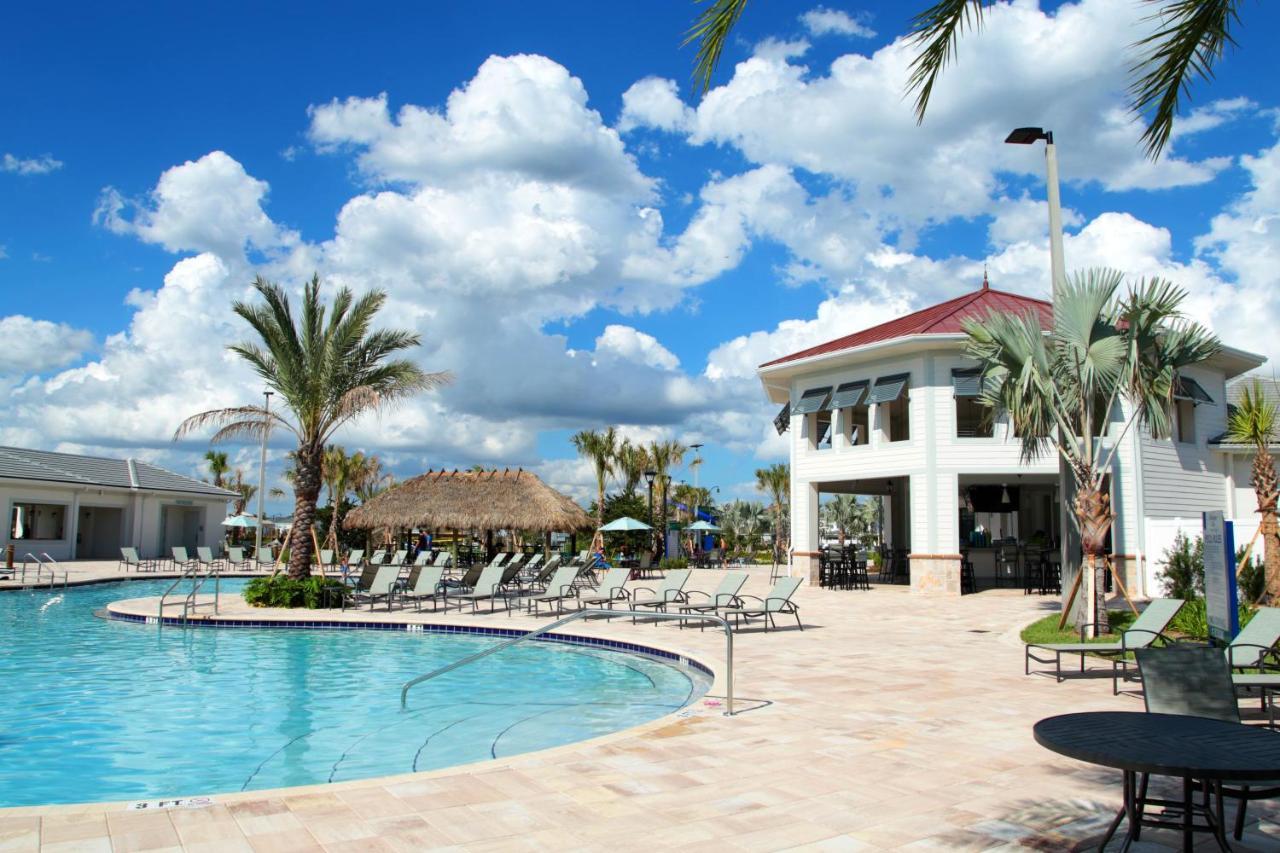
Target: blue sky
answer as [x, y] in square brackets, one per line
[797, 202]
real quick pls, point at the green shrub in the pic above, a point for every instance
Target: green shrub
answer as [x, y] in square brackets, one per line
[312, 593]
[1182, 568]
[1252, 578]
[674, 563]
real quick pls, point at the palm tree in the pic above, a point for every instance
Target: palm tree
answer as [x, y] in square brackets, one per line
[630, 462]
[1060, 389]
[1188, 40]
[340, 473]
[245, 490]
[775, 481]
[1253, 421]
[370, 479]
[601, 448]
[663, 456]
[844, 514]
[326, 373]
[218, 466]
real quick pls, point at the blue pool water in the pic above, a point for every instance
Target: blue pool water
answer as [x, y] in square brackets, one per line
[95, 709]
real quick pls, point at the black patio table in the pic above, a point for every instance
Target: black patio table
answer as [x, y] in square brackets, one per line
[1189, 748]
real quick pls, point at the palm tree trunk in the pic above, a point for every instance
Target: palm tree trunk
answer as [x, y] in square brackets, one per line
[306, 493]
[1093, 512]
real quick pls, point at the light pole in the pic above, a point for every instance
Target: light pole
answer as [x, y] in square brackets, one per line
[1026, 136]
[695, 465]
[648, 478]
[262, 475]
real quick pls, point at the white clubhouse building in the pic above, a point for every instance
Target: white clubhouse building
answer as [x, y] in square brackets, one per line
[892, 411]
[87, 507]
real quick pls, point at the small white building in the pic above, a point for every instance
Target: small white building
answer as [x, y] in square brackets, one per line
[88, 507]
[892, 411]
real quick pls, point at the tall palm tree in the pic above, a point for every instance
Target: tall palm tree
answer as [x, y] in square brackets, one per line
[775, 481]
[370, 478]
[630, 462]
[326, 371]
[340, 472]
[601, 449]
[1061, 389]
[663, 457]
[1253, 421]
[1189, 38]
[243, 489]
[218, 466]
[844, 514]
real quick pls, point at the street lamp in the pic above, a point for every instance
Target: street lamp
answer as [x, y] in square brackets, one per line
[648, 478]
[262, 475]
[1028, 136]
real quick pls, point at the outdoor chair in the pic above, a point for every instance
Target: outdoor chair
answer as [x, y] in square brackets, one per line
[236, 560]
[386, 578]
[362, 583]
[325, 560]
[378, 558]
[670, 591]
[468, 580]
[612, 589]
[531, 566]
[1256, 641]
[421, 560]
[543, 575]
[398, 558]
[427, 582]
[487, 588]
[204, 557]
[777, 602]
[725, 596]
[181, 562]
[442, 560]
[355, 558]
[129, 559]
[559, 589]
[1145, 630]
[1196, 681]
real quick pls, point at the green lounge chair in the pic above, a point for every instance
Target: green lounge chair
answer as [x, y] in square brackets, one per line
[442, 560]
[1145, 630]
[778, 601]
[668, 592]
[427, 583]
[1256, 640]
[204, 556]
[725, 596]
[181, 561]
[398, 558]
[487, 588]
[541, 577]
[236, 560]
[129, 560]
[560, 588]
[612, 589]
[383, 586]
[355, 558]
[362, 582]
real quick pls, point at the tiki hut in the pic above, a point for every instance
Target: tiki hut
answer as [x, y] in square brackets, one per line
[472, 500]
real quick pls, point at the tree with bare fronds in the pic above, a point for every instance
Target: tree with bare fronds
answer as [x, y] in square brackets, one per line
[775, 481]
[630, 462]
[1253, 421]
[1187, 39]
[663, 457]
[328, 367]
[1109, 362]
[601, 450]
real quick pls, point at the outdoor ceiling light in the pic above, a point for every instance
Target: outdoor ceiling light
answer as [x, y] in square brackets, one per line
[649, 475]
[1004, 493]
[1028, 135]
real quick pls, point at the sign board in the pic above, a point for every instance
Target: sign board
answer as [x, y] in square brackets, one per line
[1220, 592]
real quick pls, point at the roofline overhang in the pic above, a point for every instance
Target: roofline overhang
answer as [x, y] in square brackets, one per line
[78, 485]
[1237, 361]
[769, 373]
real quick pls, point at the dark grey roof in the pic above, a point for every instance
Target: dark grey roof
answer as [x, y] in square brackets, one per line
[19, 463]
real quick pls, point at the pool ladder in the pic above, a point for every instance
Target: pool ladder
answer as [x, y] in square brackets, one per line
[198, 579]
[44, 563]
[590, 614]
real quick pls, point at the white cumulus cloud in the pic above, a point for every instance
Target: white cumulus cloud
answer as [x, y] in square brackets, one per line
[41, 165]
[821, 21]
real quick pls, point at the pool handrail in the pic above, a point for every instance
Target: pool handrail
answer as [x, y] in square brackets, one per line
[197, 580]
[589, 614]
[43, 562]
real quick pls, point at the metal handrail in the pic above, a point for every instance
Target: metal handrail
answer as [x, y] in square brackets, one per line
[589, 614]
[41, 566]
[197, 581]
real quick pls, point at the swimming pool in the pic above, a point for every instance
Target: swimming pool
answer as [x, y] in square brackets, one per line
[96, 709]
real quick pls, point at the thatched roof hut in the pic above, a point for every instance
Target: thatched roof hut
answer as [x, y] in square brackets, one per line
[472, 500]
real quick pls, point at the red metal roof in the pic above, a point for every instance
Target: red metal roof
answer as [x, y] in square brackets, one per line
[941, 319]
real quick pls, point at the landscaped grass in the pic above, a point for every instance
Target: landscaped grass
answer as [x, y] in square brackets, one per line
[1046, 630]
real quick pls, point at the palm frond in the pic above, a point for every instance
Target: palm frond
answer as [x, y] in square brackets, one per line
[937, 30]
[1190, 38]
[235, 422]
[711, 32]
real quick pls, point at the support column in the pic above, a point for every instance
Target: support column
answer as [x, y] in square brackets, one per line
[935, 518]
[804, 530]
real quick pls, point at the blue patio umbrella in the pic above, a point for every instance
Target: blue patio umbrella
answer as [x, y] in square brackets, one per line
[623, 524]
[240, 521]
[704, 526]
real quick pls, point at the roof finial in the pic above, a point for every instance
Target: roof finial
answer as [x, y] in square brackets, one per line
[986, 285]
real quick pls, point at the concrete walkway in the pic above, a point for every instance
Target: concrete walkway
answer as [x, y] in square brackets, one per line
[891, 721]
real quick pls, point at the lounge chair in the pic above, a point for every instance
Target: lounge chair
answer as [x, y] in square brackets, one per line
[398, 558]
[559, 589]
[1256, 641]
[236, 560]
[383, 586]
[529, 568]
[421, 560]
[129, 560]
[668, 592]
[612, 589]
[468, 580]
[1196, 681]
[778, 601]
[378, 558]
[361, 583]
[487, 588]
[1145, 630]
[426, 582]
[355, 557]
[204, 556]
[325, 560]
[181, 561]
[442, 560]
[543, 575]
[725, 596]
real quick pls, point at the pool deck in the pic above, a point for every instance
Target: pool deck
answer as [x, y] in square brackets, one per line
[892, 721]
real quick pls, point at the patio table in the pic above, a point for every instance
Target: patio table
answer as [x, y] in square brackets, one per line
[1189, 748]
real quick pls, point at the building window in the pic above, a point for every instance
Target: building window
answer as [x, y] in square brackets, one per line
[973, 419]
[889, 395]
[37, 521]
[822, 429]
[1184, 421]
[856, 421]
[899, 415]
[850, 399]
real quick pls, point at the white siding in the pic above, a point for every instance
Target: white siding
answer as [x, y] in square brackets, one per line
[1182, 480]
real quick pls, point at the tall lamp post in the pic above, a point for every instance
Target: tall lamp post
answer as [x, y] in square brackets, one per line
[1027, 136]
[648, 478]
[262, 475]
